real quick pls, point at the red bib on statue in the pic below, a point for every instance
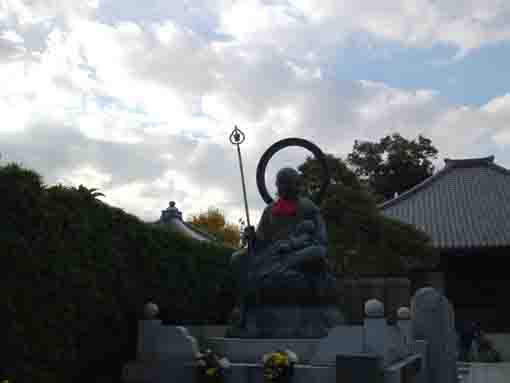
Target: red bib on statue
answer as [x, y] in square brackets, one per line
[284, 207]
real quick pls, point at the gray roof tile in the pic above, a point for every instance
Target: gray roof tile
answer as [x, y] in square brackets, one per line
[465, 205]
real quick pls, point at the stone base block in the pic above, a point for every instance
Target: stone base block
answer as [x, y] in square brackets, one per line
[359, 368]
[163, 371]
[289, 322]
[253, 373]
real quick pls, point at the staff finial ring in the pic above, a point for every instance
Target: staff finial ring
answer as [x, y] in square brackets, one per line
[237, 136]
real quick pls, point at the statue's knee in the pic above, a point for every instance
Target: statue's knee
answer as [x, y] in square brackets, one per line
[315, 251]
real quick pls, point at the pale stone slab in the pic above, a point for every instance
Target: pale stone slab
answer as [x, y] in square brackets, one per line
[158, 342]
[433, 321]
[397, 346]
[175, 343]
[340, 340]
[148, 334]
[376, 338]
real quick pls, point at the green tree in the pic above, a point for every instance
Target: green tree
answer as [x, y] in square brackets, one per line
[361, 240]
[338, 171]
[392, 165]
[75, 273]
[213, 221]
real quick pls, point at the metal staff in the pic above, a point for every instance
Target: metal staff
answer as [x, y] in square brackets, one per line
[237, 137]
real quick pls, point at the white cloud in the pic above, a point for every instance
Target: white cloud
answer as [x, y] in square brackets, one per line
[464, 24]
[142, 109]
[12, 36]
[85, 175]
[43, 11]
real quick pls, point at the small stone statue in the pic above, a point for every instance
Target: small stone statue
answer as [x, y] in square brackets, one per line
[288, 289]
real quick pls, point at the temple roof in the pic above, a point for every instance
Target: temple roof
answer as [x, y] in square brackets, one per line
[463, 206]
[172, 217]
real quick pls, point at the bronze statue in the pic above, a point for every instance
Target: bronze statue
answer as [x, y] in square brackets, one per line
[290, 243]
[287, 287]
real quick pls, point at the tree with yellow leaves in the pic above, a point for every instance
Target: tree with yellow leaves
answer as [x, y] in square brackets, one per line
[213, 221]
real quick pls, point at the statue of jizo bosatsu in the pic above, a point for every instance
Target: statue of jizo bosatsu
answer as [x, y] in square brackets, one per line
[287, 288]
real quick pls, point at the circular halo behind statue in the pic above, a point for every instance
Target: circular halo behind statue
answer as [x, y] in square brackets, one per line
[287, 142]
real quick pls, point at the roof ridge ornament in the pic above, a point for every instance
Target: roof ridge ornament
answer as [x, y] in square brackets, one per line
[469, 161]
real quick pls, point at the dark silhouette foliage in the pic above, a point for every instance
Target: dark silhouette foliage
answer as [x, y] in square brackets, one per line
[75, 274]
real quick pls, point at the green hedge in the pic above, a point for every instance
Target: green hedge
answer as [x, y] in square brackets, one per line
[75, 273]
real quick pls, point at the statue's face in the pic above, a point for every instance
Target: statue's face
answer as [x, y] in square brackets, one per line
[287, 183]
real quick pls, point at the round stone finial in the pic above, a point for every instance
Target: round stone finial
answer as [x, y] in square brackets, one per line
[374, 308]
[403, 313]
[150, 310]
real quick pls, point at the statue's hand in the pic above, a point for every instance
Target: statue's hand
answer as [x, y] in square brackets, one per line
[248, 235]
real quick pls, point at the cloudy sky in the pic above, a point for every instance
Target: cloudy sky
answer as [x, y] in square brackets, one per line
[137, 98]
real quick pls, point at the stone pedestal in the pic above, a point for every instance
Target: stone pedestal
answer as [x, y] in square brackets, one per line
[291, 321]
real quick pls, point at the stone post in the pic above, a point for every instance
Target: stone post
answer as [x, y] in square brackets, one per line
[375, 339]
[404, 325]
[164, 353]
[149, 329]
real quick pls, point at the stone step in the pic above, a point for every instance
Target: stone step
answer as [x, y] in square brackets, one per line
[164, 372]
[463, 370]
[253, 373]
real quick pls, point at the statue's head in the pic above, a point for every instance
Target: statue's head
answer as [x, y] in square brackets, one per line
[288, 183]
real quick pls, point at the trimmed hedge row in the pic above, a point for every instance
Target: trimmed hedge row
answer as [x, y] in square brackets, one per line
[75, 274]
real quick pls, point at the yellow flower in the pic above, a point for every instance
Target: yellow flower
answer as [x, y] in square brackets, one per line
[280, 359]
[210, 371]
